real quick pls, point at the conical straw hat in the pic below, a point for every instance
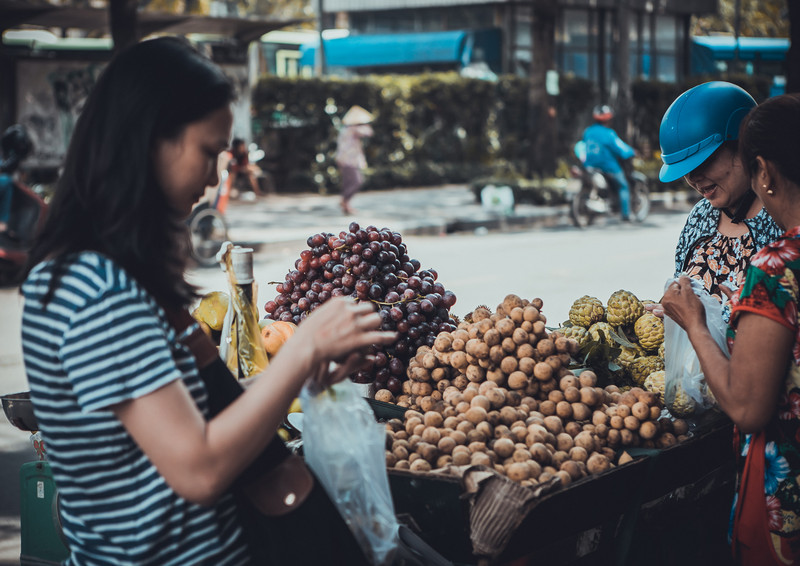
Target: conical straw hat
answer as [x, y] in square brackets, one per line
[357, 115]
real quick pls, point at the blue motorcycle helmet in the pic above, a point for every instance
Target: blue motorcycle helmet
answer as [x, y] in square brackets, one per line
[697, 123]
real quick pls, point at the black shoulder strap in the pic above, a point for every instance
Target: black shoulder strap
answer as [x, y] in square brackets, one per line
[222, 387]
[741, 208]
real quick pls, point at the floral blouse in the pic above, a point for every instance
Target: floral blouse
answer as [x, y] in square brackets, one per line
[721, 260]
[771, 289]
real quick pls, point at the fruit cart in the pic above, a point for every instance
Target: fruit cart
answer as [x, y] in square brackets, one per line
[665, 507]
[518, 440]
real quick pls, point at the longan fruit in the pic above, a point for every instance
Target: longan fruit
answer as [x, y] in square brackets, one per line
[503, 447]
[518, 471]
[631, 422]
[509, 364]
[525, 351]
[564, 409]
[648, 430]
[492, 337]
[545, 347]
[517, 380]
[543, 371]
[519, 336]
[570, 380]
[476, 414]
[581, 412]
[640, 410]
[572, 394]
[547, 407]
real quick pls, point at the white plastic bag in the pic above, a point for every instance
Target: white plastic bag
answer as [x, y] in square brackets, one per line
[498, 199]
[345, 448]
[682, 367]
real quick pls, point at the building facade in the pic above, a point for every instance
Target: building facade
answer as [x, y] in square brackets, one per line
[608, 41]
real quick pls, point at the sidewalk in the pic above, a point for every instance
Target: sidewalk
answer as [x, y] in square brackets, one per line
[284, 218]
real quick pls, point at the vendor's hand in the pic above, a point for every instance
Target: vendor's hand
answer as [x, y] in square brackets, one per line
[340, 330]
[655, 308]
[727, 291]
[682, 305]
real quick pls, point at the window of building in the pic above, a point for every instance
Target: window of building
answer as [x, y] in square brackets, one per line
[574, 44]
[666, 47]
[434, 19]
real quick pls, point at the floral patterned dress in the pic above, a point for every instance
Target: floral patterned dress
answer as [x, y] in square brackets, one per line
[771, 289]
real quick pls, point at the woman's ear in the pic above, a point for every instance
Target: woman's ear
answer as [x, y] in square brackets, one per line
[762, 176]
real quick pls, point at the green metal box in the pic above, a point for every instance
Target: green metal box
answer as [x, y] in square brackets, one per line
[41, 538]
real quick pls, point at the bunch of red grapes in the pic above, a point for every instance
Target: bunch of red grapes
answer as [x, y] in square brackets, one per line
[370, 265]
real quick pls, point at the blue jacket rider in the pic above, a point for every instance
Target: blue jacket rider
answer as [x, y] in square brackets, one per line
[605, 150]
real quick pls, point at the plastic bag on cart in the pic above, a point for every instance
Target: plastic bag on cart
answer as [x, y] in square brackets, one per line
[345, 447]
[685, 387]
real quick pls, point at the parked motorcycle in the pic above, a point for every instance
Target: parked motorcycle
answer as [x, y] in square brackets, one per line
[208, 229]
[599, 195]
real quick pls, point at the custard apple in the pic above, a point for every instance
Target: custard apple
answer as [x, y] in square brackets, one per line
[628, 355]
[641, 368]
[655, 383]
[623, 308]
[604, 327]
[586, 311]
[649, 330]
[662, 350]
[683, 405]
[578, 333]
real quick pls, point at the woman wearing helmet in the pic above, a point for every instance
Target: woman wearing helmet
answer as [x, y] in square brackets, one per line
[699, 138]
[604, 150]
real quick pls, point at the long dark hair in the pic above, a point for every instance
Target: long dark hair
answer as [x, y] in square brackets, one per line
[770, 130]
[107, 199]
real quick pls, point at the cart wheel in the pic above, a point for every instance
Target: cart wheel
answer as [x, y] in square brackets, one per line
[208, 231]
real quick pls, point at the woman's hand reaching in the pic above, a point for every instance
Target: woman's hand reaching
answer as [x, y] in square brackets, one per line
[683, 306]
[340, 331]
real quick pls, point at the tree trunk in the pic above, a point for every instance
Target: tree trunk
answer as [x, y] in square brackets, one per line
[192, 7]
[541, 106]
[123, 21]
[793, 56]
[622, 69]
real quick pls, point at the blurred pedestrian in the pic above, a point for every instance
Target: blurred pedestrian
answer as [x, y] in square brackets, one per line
[16, 144]
[237, 161]
[350, 153]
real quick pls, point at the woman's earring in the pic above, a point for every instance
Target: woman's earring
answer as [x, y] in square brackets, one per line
[769, 191]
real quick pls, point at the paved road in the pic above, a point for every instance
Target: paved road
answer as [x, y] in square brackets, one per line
[554, 261]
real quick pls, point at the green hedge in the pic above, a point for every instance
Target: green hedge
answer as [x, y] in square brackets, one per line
[435, 128]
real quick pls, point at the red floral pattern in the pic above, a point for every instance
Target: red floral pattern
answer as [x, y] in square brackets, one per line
[771, 289]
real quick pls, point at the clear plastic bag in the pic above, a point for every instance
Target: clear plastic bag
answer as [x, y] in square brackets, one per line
[682, 367]
[345, 448]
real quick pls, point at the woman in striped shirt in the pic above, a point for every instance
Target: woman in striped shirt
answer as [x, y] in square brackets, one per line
[142, 471]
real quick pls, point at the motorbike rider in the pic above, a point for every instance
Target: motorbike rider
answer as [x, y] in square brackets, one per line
[605, 150]
[16, 145]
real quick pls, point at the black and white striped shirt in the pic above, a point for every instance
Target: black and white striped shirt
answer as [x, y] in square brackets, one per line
[100, 341]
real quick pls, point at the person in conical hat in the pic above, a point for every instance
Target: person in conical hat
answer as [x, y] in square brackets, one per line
[350, 153]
